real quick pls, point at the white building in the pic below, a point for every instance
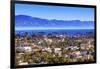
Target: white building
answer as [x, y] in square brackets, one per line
[47, 49]
[27, 49]
[23, 63]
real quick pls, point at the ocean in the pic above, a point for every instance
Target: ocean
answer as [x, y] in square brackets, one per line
[60, 31]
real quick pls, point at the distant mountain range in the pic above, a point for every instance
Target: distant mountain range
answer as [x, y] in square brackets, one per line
[28, 21]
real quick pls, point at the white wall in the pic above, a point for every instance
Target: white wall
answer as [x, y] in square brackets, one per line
[5, 34]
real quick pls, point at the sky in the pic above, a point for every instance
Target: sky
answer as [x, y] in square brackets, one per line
[55, 12]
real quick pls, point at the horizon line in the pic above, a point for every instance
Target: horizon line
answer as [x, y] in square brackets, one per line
[50, 28]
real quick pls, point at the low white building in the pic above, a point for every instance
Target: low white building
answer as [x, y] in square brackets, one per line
[47, 49]
[57, 50]
[23, 63]
[27, 49]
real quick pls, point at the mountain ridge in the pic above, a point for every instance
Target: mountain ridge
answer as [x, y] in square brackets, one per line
[29, 21]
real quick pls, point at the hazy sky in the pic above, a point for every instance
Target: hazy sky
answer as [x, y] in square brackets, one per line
[55, 12]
